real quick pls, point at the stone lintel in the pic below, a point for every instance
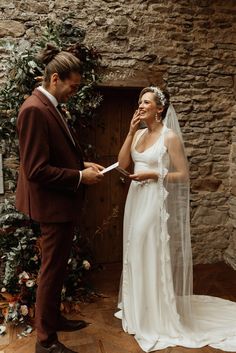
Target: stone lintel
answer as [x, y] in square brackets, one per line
[132, 78]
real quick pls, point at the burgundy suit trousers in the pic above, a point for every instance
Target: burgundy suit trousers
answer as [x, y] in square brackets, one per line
[56, 243]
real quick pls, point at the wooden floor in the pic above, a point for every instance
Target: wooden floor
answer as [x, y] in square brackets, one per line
[105, 335]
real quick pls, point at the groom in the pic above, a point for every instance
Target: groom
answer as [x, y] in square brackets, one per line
[50, 187]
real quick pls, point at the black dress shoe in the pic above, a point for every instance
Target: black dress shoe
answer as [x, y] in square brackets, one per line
[71, 325]
[56, 347]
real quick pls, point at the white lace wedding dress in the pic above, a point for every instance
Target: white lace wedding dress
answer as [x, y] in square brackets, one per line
[148, 301]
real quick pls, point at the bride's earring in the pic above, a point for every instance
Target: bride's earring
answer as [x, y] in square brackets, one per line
[157, 118]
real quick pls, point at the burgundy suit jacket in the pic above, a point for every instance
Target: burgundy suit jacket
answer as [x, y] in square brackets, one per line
[47, 188]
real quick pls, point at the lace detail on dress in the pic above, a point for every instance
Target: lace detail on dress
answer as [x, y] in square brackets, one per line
[166, 274]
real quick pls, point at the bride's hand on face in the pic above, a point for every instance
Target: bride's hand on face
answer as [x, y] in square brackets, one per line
[134, 122]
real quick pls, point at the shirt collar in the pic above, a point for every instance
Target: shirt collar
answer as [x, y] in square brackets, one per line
[52, 99]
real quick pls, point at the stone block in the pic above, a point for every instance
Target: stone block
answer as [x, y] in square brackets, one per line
[11, 28]
[206, 184]
[220, 82]
[209, 216]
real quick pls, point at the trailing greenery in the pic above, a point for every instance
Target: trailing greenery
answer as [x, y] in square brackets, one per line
[19, 237]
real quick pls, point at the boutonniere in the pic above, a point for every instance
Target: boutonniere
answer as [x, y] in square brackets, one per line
[66, 113]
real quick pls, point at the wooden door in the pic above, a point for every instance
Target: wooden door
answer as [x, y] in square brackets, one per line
[105, 201]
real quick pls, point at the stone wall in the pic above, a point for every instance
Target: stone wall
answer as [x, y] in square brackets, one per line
[190, 46]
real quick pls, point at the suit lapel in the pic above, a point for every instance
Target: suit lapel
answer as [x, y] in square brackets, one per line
[53, 111]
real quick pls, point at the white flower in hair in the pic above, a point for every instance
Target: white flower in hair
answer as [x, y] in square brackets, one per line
[160, 94]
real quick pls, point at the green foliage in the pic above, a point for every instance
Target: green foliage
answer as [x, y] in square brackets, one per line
[24, 69]
[19, 237]
[18, 249]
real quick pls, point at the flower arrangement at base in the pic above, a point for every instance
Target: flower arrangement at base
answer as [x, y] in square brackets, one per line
[19, 236]
[20, 264]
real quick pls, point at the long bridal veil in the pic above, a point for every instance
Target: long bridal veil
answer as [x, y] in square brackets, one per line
[176, 262]
[175, 223]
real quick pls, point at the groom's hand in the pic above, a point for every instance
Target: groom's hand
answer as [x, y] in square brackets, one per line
[91, 175]
[95, 166]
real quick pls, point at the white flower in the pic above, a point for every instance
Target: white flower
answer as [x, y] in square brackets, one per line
[68, 116]
[30, 283]
[23, 275]
[2, 329]
[24, 310]
[3, 289]
[86, 265]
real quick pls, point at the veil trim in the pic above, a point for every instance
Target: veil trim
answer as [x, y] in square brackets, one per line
[166, 274]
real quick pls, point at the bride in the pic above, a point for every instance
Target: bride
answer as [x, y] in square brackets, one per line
[155, 300]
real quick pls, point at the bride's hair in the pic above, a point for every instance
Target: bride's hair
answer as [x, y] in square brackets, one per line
[162, 98]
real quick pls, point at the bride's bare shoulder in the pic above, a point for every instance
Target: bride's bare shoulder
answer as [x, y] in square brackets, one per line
[171, 136]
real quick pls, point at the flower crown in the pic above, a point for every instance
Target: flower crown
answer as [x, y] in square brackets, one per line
[160, 94]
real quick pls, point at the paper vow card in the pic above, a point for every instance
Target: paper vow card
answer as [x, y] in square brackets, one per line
[113, 166]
